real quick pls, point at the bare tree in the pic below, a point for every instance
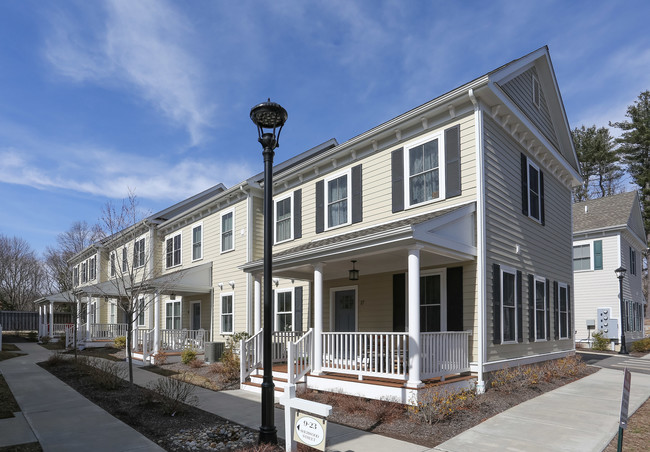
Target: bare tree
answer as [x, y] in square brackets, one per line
[22, 275]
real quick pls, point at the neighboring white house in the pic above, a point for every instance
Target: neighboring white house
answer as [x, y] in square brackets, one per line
[608, 233]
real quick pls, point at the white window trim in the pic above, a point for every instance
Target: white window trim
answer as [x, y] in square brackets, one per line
[347, 173]
[559, 311]
[141, 312]
[443, 294]
[513, 272]
[275, 219]
[112, 305]
[439, 135]
[92, 272]
[535, 82]
[537, 279]
[112, 265]
[333, 291]
[137, 240]
[125, 259]
[221, 314]
[275, 308]
[591, 254]
[171, 237]
[530, 163]
[194, 226]
[223, 214]
[180, 317]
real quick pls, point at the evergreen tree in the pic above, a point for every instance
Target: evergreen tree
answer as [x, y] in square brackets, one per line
[599, 163]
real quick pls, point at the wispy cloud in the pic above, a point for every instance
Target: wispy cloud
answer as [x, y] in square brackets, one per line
[140, 46]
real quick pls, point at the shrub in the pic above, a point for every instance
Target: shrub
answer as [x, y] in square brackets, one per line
[56, 359]
[45, 339]
[188, 355]
[120, 342]
[229, 369]
[436, 405]
[642, 345]
[32, 336]
[196, 363]
[600, 342]
[159, 358]
[108, 374]
[175, 393]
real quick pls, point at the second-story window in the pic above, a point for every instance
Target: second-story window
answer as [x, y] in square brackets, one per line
[227, 236]
[75, 276]
[138, 253]
[125, 263]
[173, 251]
[532, 190]
[197, 242]
[113, 264]
[337, 201]
[283, 220]
[92, 268]
[424, 172]
[84, 272]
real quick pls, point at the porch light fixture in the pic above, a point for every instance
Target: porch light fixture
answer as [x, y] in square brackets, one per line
[269, 116]
[220, 285]
[620, 274]
[276, 281]
[353, 275]
[232, 284]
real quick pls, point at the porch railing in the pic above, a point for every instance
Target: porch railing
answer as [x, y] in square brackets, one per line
[178, 340]
[106, 331]
[366, 354]
[444, 353]
[250, 354]
[281, 339]
[299, 356]
[69, 335]
[59, 328]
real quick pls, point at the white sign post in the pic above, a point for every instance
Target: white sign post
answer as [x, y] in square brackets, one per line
[306, 429]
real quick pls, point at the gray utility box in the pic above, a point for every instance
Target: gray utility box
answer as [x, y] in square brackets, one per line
[606, 324]
[213, 351]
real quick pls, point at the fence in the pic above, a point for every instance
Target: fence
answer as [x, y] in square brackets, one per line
[28, 321]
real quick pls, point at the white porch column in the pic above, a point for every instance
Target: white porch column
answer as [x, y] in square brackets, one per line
[318, 319]
[134, 326]
[51, 320]
[414, 318]
[40, 320]
[156, 322]
[88, 317]
[257, 298]
[78, 319]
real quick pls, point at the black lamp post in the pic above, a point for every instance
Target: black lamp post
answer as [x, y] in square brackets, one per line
[270, 116]
[620, 274]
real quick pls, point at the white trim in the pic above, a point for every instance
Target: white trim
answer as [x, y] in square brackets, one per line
[442, 272]
[522, 361]
[141, 313]
[221, 314]
[178, 300]
[348, 174]
[529, 163]
[333, 291]
[546, 307]
[561, 285]
[437, 135]
[223, 214]
[144, 252]
[192, 227]
[513, 272]
[275, 218]
[536, 83]
[164, 253]
[275, 308]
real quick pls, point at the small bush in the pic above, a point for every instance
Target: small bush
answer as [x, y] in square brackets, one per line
[120, 342]
[107, 374]
[32, 336]
[437, 405]
[196, 363]
[229, 369]
[175, 393]
[56, 359]
[159, 358]
[600, 342]
[45, 339]
[642, 345]
[188, 355]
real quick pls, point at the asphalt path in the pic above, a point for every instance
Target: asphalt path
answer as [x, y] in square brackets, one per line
[616, 361]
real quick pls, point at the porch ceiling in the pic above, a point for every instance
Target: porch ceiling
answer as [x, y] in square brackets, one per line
[188, 281]
[445, 237]
[63, 297]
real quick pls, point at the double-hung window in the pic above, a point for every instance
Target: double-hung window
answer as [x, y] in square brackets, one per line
[112, 264]
[173, 251]
[227, 315]
[541, 309]
[84, 272]
[75, 276]
[582, 257]
[125, 263]
[197, 242]
[283, 311]
[112, 312]
[173, 315]
[508, 305]
[92, 268]
[632, 261]
[138, 253]
[534, 193]
[563, 310]
[337, 202]
[424, 172]
[283, 220]
[227, 232]
[141, 312]
[431, 303]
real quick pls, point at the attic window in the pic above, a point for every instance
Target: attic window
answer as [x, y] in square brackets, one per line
[537, 93]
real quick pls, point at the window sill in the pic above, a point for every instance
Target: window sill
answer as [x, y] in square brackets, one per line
[227, 251]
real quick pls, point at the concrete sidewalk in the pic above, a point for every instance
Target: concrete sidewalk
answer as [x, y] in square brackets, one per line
[57, 416]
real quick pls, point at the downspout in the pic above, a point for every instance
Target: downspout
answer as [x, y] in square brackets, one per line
[480, 239]
[249, 252]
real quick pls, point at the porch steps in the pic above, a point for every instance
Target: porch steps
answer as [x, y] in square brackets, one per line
[280, 380]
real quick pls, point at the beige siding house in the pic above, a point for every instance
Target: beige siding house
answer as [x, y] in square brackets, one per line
[608, 233]
[456, 215]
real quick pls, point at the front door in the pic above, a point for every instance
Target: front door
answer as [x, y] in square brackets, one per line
[345, 310]
[196, 315]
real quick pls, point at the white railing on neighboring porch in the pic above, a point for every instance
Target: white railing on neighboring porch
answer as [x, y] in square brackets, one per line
[366, 354]
[281, 340]
[69, 335]
[106, 331]
[250, 354]
[178, 340]
[59, 328]
[299, 356]
[444, 353]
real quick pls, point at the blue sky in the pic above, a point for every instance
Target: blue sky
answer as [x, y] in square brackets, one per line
[100, 97]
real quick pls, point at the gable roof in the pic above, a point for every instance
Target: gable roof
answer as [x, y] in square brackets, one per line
[611, 212]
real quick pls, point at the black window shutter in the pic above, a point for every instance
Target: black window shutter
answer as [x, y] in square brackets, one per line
[542, 217]
[548, 309]
[455, 299]
[357, 202]
[524, 185]
[320, 206]
[520, 314]
[452, 162]
[556, 313]
[297, 292]
[496, 303]
[568, 308]
[397, 179]
[399, 302]
[297, 214]
[531, 308]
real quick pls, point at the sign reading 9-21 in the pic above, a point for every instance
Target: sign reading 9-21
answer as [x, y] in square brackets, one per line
[310, 430]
